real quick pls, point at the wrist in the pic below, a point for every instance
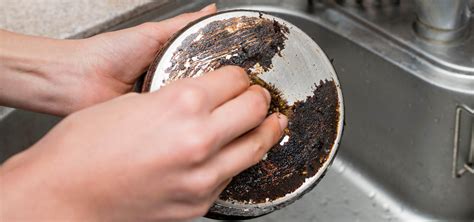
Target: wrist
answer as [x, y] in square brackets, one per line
[35, 72]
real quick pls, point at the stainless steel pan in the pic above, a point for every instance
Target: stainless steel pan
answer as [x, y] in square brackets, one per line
[292, 65]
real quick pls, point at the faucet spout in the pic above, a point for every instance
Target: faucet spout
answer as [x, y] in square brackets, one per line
[442, 20]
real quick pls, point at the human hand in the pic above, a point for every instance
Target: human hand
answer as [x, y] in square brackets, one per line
[161, 156]
[112, 62]
[63, 76]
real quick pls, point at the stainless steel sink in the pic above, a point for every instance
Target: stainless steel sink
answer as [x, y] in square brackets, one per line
[395, 162]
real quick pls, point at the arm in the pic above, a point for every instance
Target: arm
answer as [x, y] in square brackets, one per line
[63, 76]
[38, 74]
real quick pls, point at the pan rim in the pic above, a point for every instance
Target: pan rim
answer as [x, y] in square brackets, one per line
[309, 183]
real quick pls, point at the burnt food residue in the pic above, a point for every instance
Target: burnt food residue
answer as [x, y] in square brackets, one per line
[248, 42]
[312, 132]
[251, 43]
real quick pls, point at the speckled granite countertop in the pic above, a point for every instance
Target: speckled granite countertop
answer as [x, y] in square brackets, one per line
[69, 18]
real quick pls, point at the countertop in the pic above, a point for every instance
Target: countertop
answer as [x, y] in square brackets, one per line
[69, 18]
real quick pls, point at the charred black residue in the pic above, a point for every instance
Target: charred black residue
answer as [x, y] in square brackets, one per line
[278, 103]
[248, 42]
[252, 43]
[312, 132]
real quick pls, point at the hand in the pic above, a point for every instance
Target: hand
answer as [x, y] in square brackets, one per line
[63, 76]
[112, 62]
[161, 156]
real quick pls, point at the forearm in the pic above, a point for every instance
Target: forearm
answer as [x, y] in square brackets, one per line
[29, 189]
[33, 73]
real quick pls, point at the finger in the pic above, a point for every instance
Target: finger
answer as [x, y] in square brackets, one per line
[240, 114]
[197, 208]
[215, 194]
[223, 84]
[163, 30]
[249, 149]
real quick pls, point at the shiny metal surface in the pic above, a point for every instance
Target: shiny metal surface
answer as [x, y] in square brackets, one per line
[393, 23]
[468, 161]
[440, 14]
[301, 66]
[442, 20]
[401, 93]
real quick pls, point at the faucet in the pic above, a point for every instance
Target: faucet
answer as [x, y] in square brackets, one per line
[442, 20]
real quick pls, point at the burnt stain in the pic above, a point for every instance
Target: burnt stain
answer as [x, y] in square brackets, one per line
[312, 132]
[248, 42]
[252, 43]
[277, 103]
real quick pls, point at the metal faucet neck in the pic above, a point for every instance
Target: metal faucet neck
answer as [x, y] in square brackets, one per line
[442, 20]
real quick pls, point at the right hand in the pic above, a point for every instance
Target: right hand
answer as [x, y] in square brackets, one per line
[160, 156]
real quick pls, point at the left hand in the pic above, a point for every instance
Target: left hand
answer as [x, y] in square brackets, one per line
[116, 59]
[63, 76]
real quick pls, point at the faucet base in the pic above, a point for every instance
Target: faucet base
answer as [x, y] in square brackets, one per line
[440, 35]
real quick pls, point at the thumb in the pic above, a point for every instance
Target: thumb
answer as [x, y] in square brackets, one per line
[163, 30]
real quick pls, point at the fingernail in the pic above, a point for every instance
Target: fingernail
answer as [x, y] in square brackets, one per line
[208, 8]
[283, 120]
[267, 95]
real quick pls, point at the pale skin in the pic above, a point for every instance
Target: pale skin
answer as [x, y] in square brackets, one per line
[121, 156]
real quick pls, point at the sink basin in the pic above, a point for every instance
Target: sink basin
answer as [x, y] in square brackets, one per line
[395, 162]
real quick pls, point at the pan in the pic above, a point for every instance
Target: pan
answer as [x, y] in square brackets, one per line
[304, 86]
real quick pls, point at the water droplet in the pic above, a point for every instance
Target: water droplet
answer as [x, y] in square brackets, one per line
[436, 120]
[343, 189]
[324, 202]
[346, 201]
[341, 168]
[386, 207]
[410, 105]
[372, 195]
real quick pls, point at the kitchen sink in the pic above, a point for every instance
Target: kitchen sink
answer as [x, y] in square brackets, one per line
[401, 93]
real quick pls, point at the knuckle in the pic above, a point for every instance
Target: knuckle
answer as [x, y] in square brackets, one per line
[206, 181]
[238, 72]
[198, 155]
[192, 98]
[200, 141]
[199, 146]
[241, 78]
[202, 184]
